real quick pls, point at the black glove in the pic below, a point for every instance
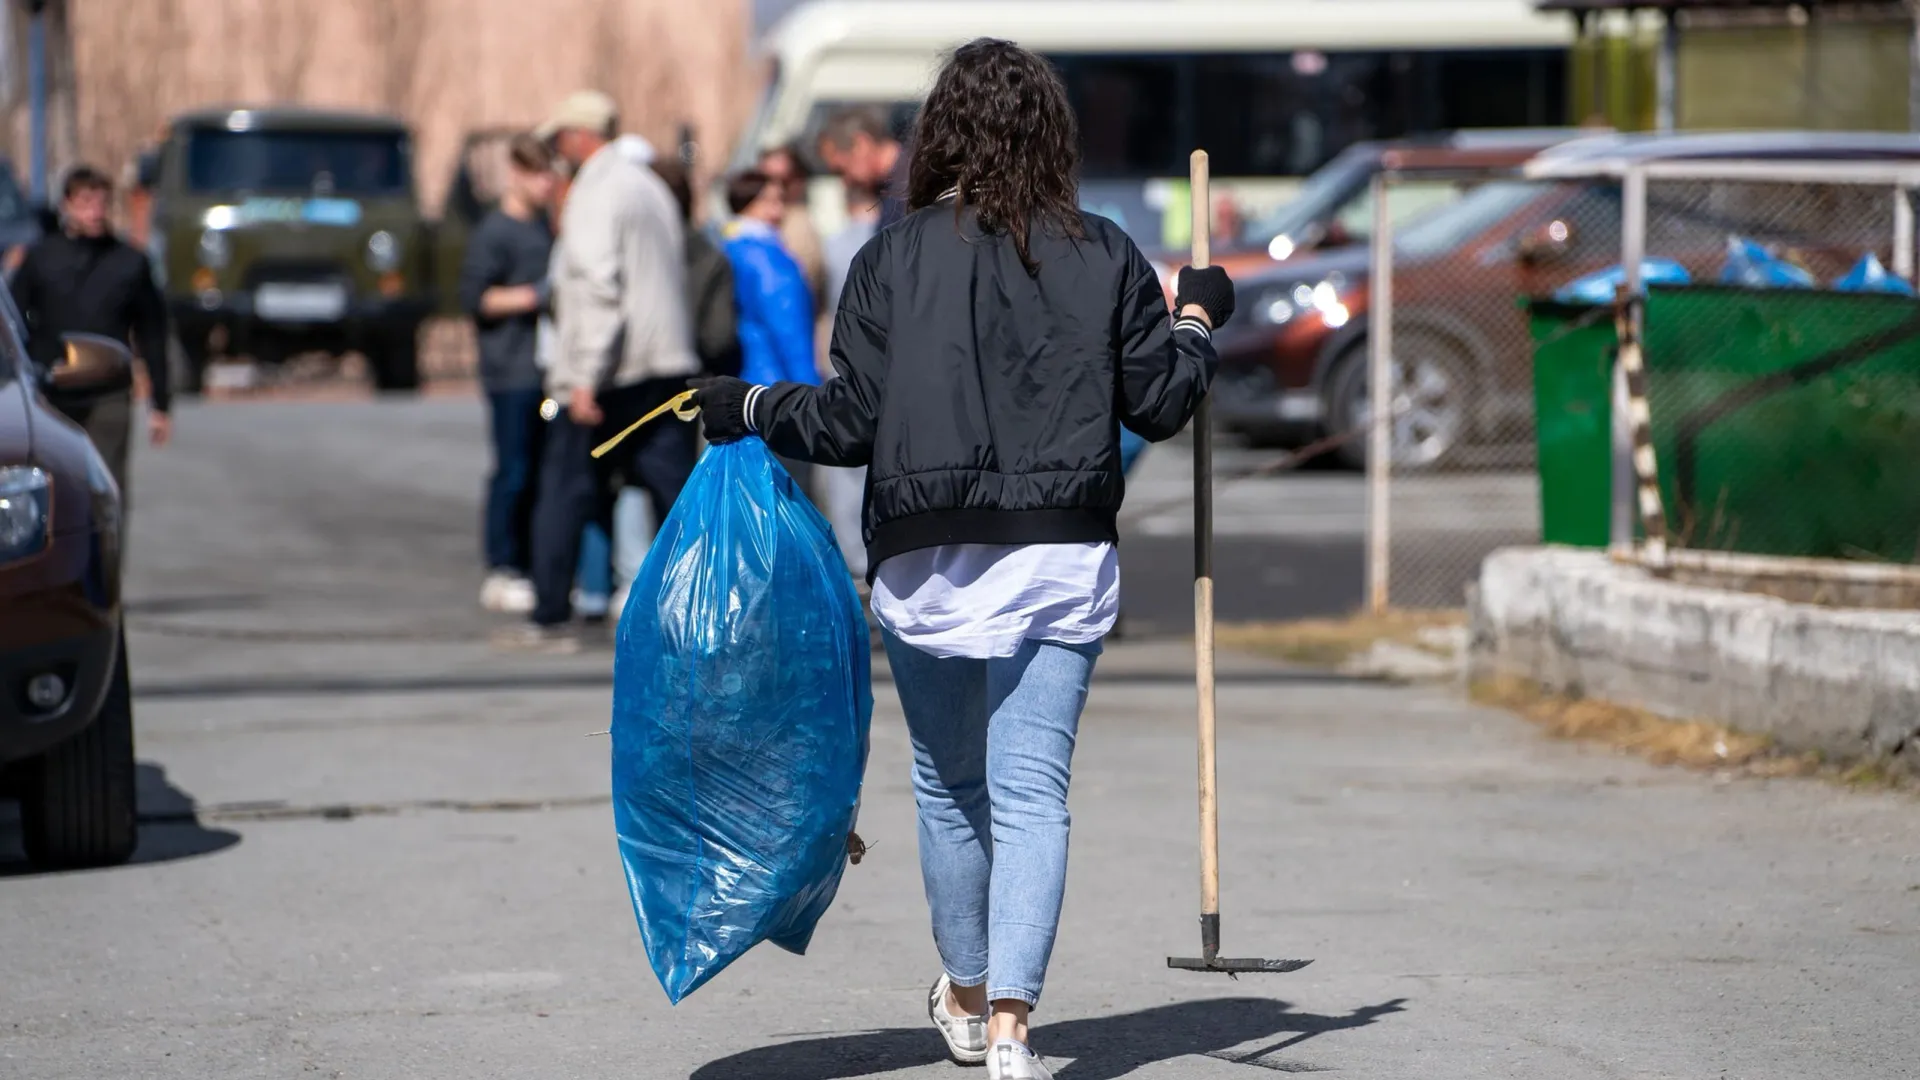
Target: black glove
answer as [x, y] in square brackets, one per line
[1210, 288]
[723, 407]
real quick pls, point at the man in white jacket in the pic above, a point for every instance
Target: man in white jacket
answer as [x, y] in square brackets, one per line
[624, 346]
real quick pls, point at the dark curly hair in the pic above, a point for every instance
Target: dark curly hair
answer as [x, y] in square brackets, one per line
[997, 128]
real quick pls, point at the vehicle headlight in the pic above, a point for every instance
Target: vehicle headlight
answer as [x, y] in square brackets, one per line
[383, 253]
[26, 504]
[215, 250]
[1277, 307]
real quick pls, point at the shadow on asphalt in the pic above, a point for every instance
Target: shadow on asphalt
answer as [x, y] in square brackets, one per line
[1102, 1048]
[168, 831]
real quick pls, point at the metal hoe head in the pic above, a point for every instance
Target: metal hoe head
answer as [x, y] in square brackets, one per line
[1224, 966]
[1211, 960]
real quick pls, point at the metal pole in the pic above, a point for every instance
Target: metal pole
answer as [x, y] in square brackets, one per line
[37, 90]
[1668, 74]
[1903, 233]
[1379, 401]
[1633, 251]
[1913, 67]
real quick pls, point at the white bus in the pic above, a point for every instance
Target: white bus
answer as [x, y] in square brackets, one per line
[1272, 88]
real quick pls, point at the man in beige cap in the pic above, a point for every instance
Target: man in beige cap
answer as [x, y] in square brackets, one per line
[624, 346]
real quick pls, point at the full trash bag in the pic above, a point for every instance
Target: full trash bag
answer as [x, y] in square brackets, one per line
[1870, 275]
[741, 700]
[1601, 286]
[1752, 265]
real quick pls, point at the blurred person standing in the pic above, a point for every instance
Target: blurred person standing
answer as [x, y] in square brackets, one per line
[624, 347]
[770, 290]
[85, 279]
[503, 286]
[621, 538]
[783, 165]
[858, 144]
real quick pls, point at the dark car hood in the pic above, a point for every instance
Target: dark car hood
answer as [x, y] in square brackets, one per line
[1350, 262]
[16, 426]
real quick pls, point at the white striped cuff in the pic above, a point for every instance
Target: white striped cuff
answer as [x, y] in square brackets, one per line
[753, 399]
[1189, 322]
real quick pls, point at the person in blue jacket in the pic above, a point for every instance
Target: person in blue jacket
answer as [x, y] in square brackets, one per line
[775, 305]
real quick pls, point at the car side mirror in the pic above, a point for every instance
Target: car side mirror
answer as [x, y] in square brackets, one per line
[1545, 243]
[93, 366]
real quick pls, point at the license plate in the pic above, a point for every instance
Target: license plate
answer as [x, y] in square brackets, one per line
[300, 303]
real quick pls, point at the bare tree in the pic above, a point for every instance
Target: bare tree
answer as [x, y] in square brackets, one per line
[398, 30]
[288, 29]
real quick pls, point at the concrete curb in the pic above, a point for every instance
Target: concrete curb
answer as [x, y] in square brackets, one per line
[1842, 681]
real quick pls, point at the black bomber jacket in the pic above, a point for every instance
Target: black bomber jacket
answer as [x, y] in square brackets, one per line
[986, 402]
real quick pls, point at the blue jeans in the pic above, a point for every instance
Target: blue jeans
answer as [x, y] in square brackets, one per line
[992, 756]
[508, 520]
[608, 562]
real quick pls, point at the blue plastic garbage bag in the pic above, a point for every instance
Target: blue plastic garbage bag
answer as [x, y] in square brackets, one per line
[1750, 264]
[1868, 275]
[1601, 286]
[741, 699]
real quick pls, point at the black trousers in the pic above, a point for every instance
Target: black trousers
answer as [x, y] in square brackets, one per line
[575, 488]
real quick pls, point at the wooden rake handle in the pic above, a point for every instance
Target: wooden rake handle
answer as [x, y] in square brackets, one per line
[1202, 205]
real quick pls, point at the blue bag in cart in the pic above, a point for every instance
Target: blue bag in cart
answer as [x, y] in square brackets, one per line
[741, 700]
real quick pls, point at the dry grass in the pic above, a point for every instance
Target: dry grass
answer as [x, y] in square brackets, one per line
[1332, 642]
[1694, 744]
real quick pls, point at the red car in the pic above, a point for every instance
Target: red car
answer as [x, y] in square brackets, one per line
[1294, 360]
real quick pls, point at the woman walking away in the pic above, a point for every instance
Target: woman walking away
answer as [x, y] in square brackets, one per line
[990, 345]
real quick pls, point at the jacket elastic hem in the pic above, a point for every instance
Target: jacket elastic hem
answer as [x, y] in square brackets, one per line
[1080, 525]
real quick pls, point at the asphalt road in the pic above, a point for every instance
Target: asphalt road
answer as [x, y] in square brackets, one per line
[373, 848]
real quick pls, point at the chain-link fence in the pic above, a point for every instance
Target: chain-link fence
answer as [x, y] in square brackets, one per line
[1766, 398]
[1782, 385]
[1452, 472]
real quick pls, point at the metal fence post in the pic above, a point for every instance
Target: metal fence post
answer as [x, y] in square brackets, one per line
[1633, 250]
[1903, 233]
[1379, 399]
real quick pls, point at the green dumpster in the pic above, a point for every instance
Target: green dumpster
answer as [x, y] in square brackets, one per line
[1573, 350]
[1786, 421]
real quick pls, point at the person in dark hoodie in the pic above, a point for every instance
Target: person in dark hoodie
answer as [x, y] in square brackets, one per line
[989, 347]
[503, 285]
[85, 279]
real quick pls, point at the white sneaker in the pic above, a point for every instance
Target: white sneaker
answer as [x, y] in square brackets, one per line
[517, 596]
[619, 607]
[1009, 1060]
[507, 592]
[490, 589]
[966, 1035]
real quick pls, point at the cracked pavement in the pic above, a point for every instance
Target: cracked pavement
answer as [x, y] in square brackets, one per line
[369, 857]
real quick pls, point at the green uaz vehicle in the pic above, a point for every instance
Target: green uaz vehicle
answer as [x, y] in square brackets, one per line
[284, 231]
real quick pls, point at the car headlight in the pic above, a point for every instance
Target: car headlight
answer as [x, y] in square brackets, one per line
[1277, 307]
[26, 504]
[215, 250]
[383, 253]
